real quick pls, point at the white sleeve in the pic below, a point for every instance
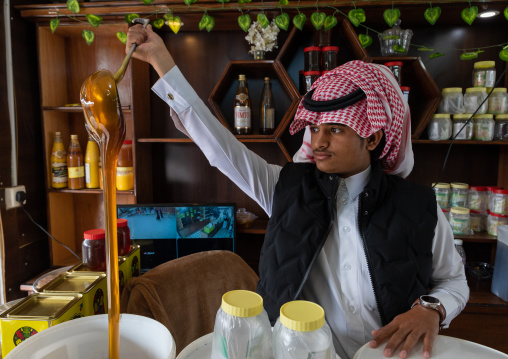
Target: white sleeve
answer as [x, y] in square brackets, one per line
[448, 278]
[251, 173]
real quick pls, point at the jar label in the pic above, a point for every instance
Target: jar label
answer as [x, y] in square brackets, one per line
[124, 171]
[442, 200]
[459, 199]
[500, 206]
[59, 154]
[242, 97]
[242, 116]
[460, 226]
[76, 172]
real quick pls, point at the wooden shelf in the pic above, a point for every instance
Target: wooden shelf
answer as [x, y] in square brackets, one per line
[88, 191]
[258, 227]
[241, 138]
[74, 108]
[461, 142]
[480, 237]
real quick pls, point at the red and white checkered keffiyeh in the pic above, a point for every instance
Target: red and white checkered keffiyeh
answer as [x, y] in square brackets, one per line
[384, 108]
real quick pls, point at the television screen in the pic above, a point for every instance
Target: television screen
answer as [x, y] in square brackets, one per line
[169, 231]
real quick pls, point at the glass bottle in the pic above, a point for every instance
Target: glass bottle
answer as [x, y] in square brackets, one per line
[125, 168]
[75, 165]
[58, 163]
[92, 155]
[242, 108]
[267, 110]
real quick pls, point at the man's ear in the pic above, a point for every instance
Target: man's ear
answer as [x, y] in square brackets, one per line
[374, 139]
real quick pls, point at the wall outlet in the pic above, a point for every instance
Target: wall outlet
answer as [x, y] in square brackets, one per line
[10, 197]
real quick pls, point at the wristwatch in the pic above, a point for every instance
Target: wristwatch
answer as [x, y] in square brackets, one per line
[431, 302]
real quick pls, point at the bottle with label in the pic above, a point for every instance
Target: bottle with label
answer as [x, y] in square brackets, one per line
[58, 163]
[242, 108]
[267, 110]
[75, 165]
[124, 168]
[92, 158]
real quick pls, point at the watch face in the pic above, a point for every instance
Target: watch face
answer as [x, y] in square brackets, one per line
[429, 299]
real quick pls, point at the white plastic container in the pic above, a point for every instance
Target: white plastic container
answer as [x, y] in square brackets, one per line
[495, 220]
[483, 127]
[442, 191]
[498, 101]
[440, 127]
[462, 129]
[460, 220]
[474, 99]
[459, 194]
[301, 332]
[453, 101]
[86, 338]
[499, 201]
[478, 198]
[478, 221]
[242, 328]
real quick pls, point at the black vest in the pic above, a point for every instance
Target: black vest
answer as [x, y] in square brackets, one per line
[396, 218]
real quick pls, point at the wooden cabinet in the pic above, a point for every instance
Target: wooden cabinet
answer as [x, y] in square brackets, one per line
[65, 61]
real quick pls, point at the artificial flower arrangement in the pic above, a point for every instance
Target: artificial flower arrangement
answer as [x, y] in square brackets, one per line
[264, 39]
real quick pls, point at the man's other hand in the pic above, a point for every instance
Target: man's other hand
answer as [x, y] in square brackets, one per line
[407, 330]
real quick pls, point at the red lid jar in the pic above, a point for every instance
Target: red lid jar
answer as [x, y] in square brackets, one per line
[329, 56]
[396, 68]
[312, 58]
[94, 250]
[123, 236]
[310, 78]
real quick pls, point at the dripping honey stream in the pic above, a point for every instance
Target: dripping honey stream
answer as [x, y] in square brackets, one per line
[104, 121]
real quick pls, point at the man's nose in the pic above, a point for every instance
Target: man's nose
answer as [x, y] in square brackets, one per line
[320, 140]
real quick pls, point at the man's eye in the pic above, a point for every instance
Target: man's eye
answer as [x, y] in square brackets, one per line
[313, 129]
[335, 129]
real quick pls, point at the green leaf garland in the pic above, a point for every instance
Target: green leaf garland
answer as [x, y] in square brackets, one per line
[399, 49]
[503, 54]
[436, 54]
[391, 16]
[147, 2]
[88, 36]
[505, 12]
[94, 20]
[130, 17]
[244, 21]
[204, 21]
[243, 1]
[283, 2]
[122, 36]
[318, 19]
[53, 24]
[431, 14]
[158, 23]
[424, 48]
[299, 21]
[469, 14]
[469, 56]
[330, 22]
[282, 21]
[356, 16]
[175, 23]
[210, 24]
[73, 6]
[188, 2]
[263, 20]
[365, 40]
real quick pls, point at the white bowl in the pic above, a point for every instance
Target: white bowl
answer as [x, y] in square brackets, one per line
[87, 338]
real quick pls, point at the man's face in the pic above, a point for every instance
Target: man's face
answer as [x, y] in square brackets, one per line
[339, 149]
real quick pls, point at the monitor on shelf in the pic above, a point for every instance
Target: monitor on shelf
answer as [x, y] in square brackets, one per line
[169, 231]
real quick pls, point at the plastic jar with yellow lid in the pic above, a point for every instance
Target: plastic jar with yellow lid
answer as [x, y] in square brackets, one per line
[440, 127]
[483, 127]
[452, 101]
[242, 328]
[460, 220]
[498, 101]
[301, 332]
[462, 129]
[442, 191]
[484, 74]
[460, 191]
[474, 100]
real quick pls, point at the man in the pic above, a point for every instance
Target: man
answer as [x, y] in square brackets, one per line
[346, 230]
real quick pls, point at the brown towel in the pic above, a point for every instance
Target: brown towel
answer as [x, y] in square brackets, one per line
[185, 294]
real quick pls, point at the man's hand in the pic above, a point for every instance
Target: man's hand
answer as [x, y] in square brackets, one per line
[150, 48]
[407, 330]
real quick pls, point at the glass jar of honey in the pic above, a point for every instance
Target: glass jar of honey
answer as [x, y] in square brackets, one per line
[123, 237]
[94, 249]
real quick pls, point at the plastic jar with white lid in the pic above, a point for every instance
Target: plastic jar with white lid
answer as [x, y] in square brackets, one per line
[477, 198]
[478, 221]
[442, 191]
[494, 220]
[301, 332]
[440, 127]
[483, 127]
[242, 328]
[498, 101]
[499, 201]
[461, 130]
[458, 246]
[474, 99]
[484, 74]
[501, 128]
[459, 194]
[460, 220]
[452, 101]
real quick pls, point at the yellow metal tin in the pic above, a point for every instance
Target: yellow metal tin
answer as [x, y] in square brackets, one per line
[35, 313]
[124, 271]
[93, 287]
[134, 262]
